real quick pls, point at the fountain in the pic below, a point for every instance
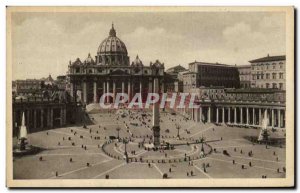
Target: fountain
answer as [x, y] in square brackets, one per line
[23, 148]
[263, 135]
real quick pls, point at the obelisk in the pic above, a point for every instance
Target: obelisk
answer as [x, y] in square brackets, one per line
[156, 127]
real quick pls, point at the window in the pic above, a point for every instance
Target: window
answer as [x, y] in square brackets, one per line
[267, 85]
[281, 86]
[262, 76]
[274, 75]
[281, 75]
[267, 76]
[257, 76]
[77, 70]
[274, 85]
[100, 70]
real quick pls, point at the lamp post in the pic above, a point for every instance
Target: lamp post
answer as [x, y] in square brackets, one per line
[178, 127]
[125, 153]
[118, 130]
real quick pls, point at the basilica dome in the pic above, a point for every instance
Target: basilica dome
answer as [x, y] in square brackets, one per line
[112, 50]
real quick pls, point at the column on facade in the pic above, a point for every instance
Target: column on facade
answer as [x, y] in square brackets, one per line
[150, 86]
[235, 121]
[123, 87]
[103, 89]
[259, 117]
[266, 116]
[247, 118]
[72, 89]
[107, 91]
[129, 90]
[241, 115]
[42, 118]
[162, 87]
[200, 114]
[95, 92]
[141, 89]
[229, 115]
[114, 91]
[223, 115]
[208, 114]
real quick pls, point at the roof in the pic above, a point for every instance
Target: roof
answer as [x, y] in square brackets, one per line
[254, 90]
[244, 66]
[212, 64]
[176, 67]
[269, 59]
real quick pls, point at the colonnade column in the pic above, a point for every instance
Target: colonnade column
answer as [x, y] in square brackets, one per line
[235, 115]
[42, 118]
[223, 115]
[273, 118]
[61, 117]
[217, 121]
[229, 115]
[278, 117]
[95, 92]
[241, 115]
[84, 90]
[247, 118]
[253, 116]
[34, 118]
[51, 117]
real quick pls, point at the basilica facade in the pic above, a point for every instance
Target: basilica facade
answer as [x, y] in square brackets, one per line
[111, 71]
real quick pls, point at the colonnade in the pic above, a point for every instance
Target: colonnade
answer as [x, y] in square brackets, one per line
[239, 115]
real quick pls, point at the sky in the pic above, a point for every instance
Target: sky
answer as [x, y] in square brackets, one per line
[44, 43]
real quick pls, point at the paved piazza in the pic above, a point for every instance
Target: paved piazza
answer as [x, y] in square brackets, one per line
[88, 153]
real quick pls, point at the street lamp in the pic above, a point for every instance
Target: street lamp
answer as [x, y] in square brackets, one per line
[178, 127]
[118, 130]
[202, 139]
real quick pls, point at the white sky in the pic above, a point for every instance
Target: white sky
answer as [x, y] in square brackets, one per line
[43, 43]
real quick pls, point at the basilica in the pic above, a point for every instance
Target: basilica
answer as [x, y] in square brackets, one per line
[111, 71]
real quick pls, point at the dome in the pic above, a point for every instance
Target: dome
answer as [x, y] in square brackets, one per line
[89, 60]
[112, 44]
[112, 51]
[137, 62]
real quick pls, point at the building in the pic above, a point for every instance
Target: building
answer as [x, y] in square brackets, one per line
[110, 71]
[245, 76]
[269, 72]
[209, 74]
